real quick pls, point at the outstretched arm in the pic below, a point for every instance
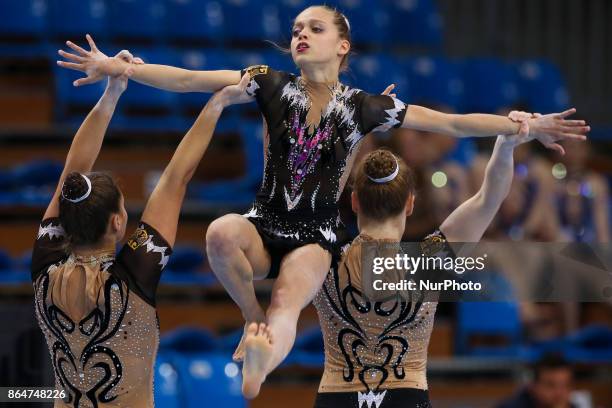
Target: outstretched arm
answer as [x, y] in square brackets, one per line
[470, 220]
[548, 129]
[96, 65]
[87, 142]
[163, 208]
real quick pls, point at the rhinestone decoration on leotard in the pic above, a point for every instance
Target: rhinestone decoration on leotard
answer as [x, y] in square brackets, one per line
[306, 167]
[372, 345]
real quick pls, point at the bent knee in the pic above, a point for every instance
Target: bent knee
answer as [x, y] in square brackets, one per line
[223, 235]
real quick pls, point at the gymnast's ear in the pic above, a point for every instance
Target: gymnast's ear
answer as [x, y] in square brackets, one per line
[354, 202]
[409, 205]
[116, 223]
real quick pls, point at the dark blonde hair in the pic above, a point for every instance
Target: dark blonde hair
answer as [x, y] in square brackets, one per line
[380, 201]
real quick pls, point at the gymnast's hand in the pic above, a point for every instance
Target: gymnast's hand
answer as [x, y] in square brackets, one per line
[388, 90]
[118, 84]
[523, 136]
[94, 63]
[235, 94]
[554, 127]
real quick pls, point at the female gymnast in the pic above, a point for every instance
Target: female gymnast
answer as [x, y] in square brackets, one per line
[97, 309]
[314, 126]
[376, 351]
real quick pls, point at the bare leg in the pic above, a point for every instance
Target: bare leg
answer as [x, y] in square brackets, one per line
[237, 257]
[301, 275]
[258, 346]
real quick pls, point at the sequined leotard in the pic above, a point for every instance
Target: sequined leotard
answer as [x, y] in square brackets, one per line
[373, 349]
[305, 171]
[103, 352]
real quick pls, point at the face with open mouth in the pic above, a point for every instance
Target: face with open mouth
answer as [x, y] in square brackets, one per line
[315, 38]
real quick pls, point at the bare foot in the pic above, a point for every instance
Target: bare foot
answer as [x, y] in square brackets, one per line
[258, 351]
[238, 355]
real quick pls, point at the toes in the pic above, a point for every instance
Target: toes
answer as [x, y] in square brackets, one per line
[252, 329]
[262, 329]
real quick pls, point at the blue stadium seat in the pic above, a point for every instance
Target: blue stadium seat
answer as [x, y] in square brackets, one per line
[145, 107]
[253, 21]
[370, 20]
[308, 350]
[434, 81]
[6, 262]
[195, 20]
[489, 318]
[202, 370]
[237, 192]
[288, 11]
[374, 72]
[167, 384]
[491, 85]
[37, 173]
[72, 19]
[209, 379]
[200, 59]
[10, 272]
[186, 258]
[274, 58]
[543, 86]
[23, 18]
[415, 22]
[184, 267]
[72, 103]
[23, 29]
[589, 345]
[136, 19]
[189, 340]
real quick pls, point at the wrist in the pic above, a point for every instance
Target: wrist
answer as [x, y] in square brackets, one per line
[507, 141]
[115, 66]
[218, 101]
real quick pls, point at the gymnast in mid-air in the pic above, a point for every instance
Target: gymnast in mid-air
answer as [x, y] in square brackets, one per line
[96, 307]
[314, 126]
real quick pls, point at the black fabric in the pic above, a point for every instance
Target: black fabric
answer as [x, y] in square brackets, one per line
[49, 247]
[393, 398]
[279, 247]
[139, 263]
[306, 167]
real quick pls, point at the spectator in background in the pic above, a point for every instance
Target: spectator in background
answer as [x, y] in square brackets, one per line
[582, 197]
[440, 163]
[529, 211]
[551, 386]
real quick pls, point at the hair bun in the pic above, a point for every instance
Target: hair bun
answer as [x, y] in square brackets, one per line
[74, 186]
[380, 164]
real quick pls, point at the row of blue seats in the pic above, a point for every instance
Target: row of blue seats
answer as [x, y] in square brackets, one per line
[470, 85]
[372, 21]
[32, 183]
[591, 344]
[193, 362]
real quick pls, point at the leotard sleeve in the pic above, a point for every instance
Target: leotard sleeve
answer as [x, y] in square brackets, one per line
[379, 113]
[141, 261]
[48, 247]
[266, 85]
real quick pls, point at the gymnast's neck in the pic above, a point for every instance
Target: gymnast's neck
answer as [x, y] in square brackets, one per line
[390, 228]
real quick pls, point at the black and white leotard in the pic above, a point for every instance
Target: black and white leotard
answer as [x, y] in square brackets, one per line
[305, 171]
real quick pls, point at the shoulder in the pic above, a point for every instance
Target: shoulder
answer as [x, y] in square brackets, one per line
[435, 244]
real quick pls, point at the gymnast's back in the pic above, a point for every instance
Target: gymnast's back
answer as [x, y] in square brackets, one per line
[97, 312]
[372, 345]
